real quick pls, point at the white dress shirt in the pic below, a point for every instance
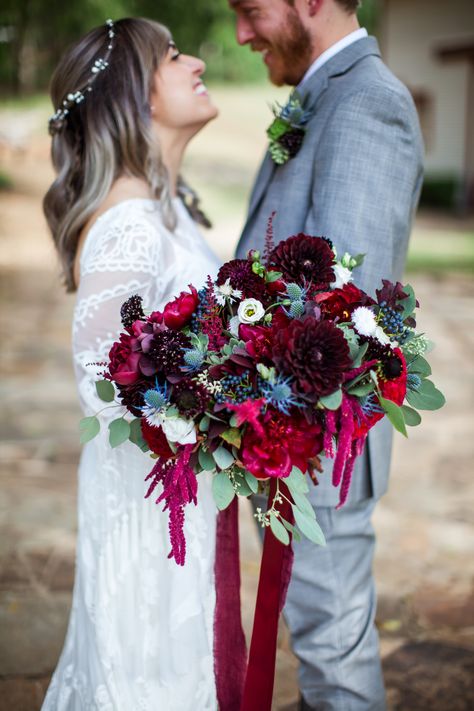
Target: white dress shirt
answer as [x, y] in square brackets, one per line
[331, 51]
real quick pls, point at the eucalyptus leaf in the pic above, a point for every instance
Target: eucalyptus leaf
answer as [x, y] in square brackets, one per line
[119, 431]
[251, 481]
[278, 530]
[206, 460]
[332, 401]
[362, 389]
[427, 397]
[420, 366]
[223, 458]
[222, 490]
[204, 424]
[394, 414]
[136, 436]
[360, 355]
[303, 504]
[89, 427]
[289, 527]
[296, 481]
[412, 417]
[409, 303]
[243, 488]
[105, 390]
[309, 527]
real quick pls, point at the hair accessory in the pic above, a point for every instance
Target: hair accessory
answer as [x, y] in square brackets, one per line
[56, 122]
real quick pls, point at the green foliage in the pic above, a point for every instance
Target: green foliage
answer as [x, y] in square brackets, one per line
[394, 414]
[223, 458]
[105, 390]
[426, 397]
[89, 427]
[119, 432]
[223, 490]
[206, 460]
[279, 530]
[332, 401]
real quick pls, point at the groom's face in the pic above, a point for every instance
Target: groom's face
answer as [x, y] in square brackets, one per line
[274, 28]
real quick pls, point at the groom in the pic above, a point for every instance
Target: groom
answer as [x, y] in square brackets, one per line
[356, 180]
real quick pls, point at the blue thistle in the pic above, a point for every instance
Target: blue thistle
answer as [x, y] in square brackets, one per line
[156, 398]
[370, 405]
[194, 358]
[413, 381]
[279, 394]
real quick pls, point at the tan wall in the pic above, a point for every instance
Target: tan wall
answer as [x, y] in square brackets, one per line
[411, 32]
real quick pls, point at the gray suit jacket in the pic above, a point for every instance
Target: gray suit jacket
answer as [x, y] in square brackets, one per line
[356, 180]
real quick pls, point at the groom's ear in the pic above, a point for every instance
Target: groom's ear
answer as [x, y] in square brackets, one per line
[314, 6]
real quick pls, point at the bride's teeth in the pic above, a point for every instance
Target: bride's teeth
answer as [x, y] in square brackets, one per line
[200, 89]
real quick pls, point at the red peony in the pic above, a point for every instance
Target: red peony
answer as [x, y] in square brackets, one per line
[314, 353]
[284, 443]
[123, 361]
[156, 439]
[258, 341]
[340, 303]
[177, 313]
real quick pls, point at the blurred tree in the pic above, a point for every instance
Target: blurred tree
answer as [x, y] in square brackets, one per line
[34, 33]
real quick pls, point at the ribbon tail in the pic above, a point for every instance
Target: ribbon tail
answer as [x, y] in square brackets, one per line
[275, 573]
[230, 653]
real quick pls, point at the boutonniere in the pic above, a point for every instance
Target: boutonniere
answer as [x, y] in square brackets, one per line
[287, 131]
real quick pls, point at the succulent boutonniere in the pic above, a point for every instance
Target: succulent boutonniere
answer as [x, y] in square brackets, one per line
[287, 131]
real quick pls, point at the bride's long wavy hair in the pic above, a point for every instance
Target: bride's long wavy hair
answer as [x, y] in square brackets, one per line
[109, 133]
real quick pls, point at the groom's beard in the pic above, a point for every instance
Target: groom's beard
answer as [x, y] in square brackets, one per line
[290, 52]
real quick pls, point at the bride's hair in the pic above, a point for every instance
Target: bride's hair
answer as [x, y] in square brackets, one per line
[108, 133]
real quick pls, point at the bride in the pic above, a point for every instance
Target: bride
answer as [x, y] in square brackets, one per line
[140, 635]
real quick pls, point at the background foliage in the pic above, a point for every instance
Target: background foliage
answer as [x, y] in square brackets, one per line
[34, 33]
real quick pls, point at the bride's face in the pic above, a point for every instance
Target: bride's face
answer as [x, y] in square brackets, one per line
[179, 100]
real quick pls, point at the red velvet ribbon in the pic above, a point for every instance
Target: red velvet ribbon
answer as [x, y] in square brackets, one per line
[275, 573]
[230, 653]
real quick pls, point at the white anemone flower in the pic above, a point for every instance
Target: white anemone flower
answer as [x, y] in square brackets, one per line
[250, 311]
[343, 275]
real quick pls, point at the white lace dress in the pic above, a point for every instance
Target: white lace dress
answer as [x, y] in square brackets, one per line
[140, 635]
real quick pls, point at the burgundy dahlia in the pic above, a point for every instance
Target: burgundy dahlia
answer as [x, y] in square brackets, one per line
[292, 140]
[315, 354]
[304, 259]
[240, 274]
[190, 397]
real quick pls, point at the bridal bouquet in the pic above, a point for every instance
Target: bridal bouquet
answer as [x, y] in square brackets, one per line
[279, 360]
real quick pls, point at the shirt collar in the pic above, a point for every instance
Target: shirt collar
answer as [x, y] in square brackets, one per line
[331, 52]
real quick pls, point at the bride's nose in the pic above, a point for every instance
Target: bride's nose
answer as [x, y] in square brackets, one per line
[197, 66]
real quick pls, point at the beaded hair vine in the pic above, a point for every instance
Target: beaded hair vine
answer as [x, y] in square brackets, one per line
[56, 122]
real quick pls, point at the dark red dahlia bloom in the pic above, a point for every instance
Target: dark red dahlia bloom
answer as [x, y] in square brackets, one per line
[177, 313]
[315, 353]
[156, 439]
[240, 275]
[132, 396]
[340, 303]
[124, 360]
[279, 443]
[304, 260]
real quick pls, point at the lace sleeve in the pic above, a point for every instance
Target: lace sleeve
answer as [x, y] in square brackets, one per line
[121, 257]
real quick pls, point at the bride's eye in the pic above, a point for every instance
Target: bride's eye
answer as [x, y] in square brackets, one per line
[175, 56]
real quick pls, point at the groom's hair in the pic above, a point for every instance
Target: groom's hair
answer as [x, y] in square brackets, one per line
[350, 6]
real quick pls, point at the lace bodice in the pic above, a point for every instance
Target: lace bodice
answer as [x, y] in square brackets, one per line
[140, 636]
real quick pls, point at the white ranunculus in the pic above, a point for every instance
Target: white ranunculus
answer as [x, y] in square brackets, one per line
[179, 430]
[343, 275]
[364, 321]
[250, 311]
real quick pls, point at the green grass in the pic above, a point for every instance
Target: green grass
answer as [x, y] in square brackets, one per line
[6, 183]
[436, 250]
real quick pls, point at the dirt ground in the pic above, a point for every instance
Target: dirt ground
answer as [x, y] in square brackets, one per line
[424, 563]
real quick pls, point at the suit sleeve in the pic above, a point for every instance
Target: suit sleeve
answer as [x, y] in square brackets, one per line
[366, 180]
